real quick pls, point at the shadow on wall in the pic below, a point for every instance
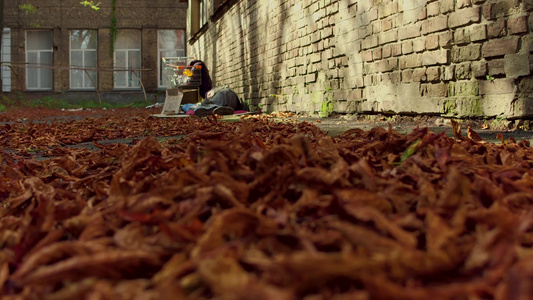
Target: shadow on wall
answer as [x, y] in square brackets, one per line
[465, 60]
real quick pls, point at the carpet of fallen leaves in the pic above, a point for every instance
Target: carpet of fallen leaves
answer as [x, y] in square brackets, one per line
[261, 210]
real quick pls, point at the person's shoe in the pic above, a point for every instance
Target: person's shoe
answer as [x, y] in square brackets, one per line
[202, 112]
[224, 110]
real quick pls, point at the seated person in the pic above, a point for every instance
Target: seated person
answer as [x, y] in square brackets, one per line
[207, 84]
[219, 101]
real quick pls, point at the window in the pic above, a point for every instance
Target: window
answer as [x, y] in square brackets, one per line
[83, 45]
[128, 59]
[6, 58]
[203, 12]
[171, 43]
[39, 56]
[199, 10]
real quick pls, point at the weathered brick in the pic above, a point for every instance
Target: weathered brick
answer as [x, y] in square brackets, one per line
[419, 74]
[517, 25]
[435, 24]
[376, 27]
[446, 6]
[466, 53]
[496, 29]
[370, 42]
[397, 49]
[461, 36]
[463, 17]
[388, 9]
[448, 73]
[463, 3]
[367, 80]
[433, 8]
[433, 74]
[496, 67]
[438, 57]
[479, 69]
[422, 15]
[386, 24]
[408, 32]
[310, 78]
[445, 39]
[315, 57]
[462, 71]
[407, 75]
[437, 90]
[503, 8]
[388, 37]
[432, 42]
[486, 11]
[373, 14]
[376, 53]
[516, 65]
[497, 86]
[410, 61]
[355, 94]
[419, 45]
[387, 51]
[407, 47]
[463, 88]
[478, 33]
[359, 81]
[500, 47]
[395, 77]
[388, 65]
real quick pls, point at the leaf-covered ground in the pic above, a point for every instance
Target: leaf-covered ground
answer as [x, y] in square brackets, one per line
[259, 209]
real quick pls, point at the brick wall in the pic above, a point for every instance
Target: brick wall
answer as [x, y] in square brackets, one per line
[450, 57]
[60, 16]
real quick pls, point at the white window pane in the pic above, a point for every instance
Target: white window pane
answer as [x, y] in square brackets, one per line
[32, 77]
[87, 81]
[120, 59]
[47, 78]
[90, 59]
[47, 74]
[171, 39]
[120, 63]
[32, 58]
[76, 78]
[46, 58]
[120, 79]
[128, 39]
[83, 39]
[39, 40]
[134, 61]
[76, 58]
[32, 73]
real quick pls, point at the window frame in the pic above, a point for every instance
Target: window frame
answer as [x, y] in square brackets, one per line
[95, 50]
[199, 15]
[129, 73]
[38, 52]
[6, 57]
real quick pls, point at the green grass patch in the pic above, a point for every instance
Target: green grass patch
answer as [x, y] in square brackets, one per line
[50, 102]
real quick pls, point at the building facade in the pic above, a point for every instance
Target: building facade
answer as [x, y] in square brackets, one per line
[64, 49]
[449, 57]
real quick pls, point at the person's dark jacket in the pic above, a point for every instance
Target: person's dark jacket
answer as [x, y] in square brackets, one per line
[207, 84]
